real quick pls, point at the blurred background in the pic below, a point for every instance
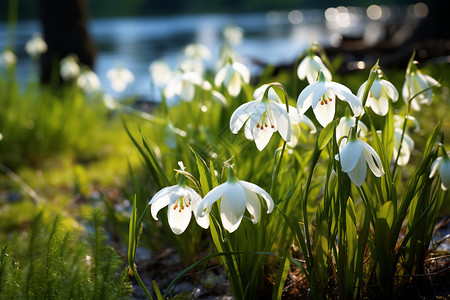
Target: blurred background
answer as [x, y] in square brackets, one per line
[135, 33]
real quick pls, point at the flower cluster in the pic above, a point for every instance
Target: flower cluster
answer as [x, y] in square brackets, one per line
[236, 195]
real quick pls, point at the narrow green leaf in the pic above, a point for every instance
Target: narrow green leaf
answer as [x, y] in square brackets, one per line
[132, 235]
[202, 170]
[157, 291]
[281, 278]
[326, 134]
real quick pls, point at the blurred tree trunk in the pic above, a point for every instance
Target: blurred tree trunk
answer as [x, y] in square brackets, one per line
[64, 23]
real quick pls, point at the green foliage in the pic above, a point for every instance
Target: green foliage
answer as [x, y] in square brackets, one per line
[51, 263]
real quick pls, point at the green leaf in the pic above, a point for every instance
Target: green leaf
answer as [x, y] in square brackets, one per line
[281, 278]
[326, 134]
[132, 235]
[202, 170]
[157, 291]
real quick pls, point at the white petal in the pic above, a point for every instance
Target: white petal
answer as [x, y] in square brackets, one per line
[243, 72]
[210, 198]
[370, 155]
[262, 137]
[220, 77]
[435, 166]
[358, 174]
[187, 91]
[202, 221]
[444, 172]
[360, 92]
[248, 131]
[256, 189]
[234, 85]
[232, 206]
[253, 205]
[241, 115]
[390, 89]
[282, 119]
[431, 81]
[162, 199]
[306, 97]
[345, 94]
[309, 123]
[380, 106]
[376, 88]
[350, 155]
[178, 218]
[325, 113]
[302, 67]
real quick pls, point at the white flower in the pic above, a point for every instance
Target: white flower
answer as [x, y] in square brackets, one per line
[236, 195]
[264, 116]
[7, 59]
[310, 67]
[321, 95]
[160, 73]
[296, 121]
[120, 77]
[233, 35]
[407, 146]
[182, 85]
[343, 129]
[197, 51]
[416, 82]
[69, 68]
[232, 76]
[182, 201]
[379, 94]
[443, 165]
[88, 81]
[36, 46]
[355, 156]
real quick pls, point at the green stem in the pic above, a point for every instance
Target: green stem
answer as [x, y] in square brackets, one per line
[141, 283]
[276, 170]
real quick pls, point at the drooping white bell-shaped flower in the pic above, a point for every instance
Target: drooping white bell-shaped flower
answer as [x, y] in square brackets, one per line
[310, 67]
[36, 46]
[232, 76]
[182, 202]
[343, 128]
[69, 68]
[321, 95]
[442, 164]
[354, 158]
[182, 85]
[416, 82]
[236, 195]
[379, 95]
[263, 116]
[88, 81]
[120, 77]
[7, 59]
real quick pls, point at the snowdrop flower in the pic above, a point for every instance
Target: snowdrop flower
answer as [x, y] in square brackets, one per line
[296, 122]
[355, 156]
[442, 164]
[182, 85]
[197, 51]
[88, 81]
[36, 46]
[407, 146]
[7, 59]
[379, 93]
[232, 76]
[321, 95]
[343, 128]
[110, 102]
[233, 35]
[182, 201]
[236, 195]
[264, 116]
[120, 77]
[416, 82]
[69, 68]
[160, 73]
[310, 67]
